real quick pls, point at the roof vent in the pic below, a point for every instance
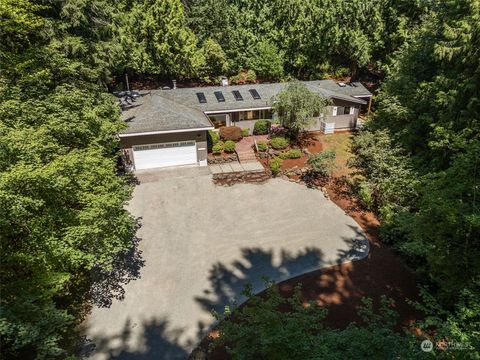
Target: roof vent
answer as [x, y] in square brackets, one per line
[342, 84]
[224, 81]
[166, 88]
[174, 83]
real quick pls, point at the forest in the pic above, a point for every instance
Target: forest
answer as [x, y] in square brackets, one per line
[64, 229]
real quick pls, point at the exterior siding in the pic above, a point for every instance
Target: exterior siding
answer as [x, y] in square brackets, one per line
[199, 136]
[343, 121]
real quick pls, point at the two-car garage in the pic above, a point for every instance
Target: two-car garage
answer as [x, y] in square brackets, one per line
[166, 154]
[163, 133]
[152, 151]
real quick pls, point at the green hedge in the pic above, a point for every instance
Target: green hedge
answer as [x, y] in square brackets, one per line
[291, 154]
[229, 146]
[217, 148]
[262, 146]
[214, 137]
[279, 143]
[262, 127]
[275, 165]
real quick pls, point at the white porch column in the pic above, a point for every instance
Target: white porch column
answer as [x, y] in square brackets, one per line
[228, 122]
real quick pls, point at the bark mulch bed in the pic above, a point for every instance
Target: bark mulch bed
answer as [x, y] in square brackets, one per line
[308, 141]
[340, 288]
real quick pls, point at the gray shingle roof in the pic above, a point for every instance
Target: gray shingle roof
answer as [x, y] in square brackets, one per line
[165, 110]
[153, 112]
[351, 89]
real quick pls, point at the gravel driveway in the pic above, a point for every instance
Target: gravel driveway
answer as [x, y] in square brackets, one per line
[200, 244]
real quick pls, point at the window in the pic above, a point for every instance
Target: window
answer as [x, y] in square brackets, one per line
[237, 95]
[251, 115]
[334, 111]
[352, 110]
[219, 96]
[218, 120]
[255, 94]
[162, 145]
[201, 98]
[346, 110]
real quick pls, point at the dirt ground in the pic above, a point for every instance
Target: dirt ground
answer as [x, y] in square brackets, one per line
[340, 288]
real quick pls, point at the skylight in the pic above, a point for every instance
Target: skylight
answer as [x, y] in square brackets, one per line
[201, 98]
[237, 95]
[254, 94]
[219, 96]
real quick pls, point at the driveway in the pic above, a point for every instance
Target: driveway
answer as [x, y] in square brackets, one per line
[201, 244]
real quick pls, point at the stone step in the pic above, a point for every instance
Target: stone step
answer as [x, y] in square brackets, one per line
[249, 157]
[245, 152]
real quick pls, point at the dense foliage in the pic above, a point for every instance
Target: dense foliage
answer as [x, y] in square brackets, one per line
[420, 160]
[261, 330]
[63, 227]
[62, 217]
[421, 152]
[304, 38]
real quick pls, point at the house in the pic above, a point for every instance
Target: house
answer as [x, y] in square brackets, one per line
[169, 127]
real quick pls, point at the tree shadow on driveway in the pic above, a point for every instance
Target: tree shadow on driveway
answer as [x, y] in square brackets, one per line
[227, 281]
[158, 341]
[108, 284]
[158, 337]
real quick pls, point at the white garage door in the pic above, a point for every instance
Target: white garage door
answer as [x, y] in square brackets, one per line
[164, 154]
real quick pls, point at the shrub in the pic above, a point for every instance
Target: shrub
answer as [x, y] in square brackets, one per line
[262, 146]
[323, 163]
[251, 76]
[245, 132]
[229, 146]
[213, 137]
[262, 127]
[233, 133]
[275, 165]
[278, 131]
[365, 194]
[217, 148]
[244, 76]
[279, 143]
[291, 154]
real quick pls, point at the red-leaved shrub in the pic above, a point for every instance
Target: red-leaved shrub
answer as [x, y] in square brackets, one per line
[233, 133]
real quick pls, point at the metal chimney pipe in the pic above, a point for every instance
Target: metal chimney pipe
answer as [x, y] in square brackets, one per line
[174, 82]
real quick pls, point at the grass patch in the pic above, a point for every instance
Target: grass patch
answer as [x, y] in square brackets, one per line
[340, 143]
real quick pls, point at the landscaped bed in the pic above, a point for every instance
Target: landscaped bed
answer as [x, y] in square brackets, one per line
[314, 143]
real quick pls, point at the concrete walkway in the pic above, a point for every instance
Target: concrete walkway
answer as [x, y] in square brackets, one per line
[236, 167]
[201, 244]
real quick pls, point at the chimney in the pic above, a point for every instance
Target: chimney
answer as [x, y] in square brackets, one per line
[174, 82]
[224, 81]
